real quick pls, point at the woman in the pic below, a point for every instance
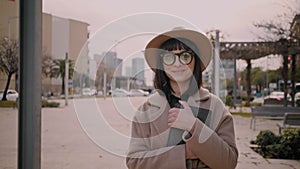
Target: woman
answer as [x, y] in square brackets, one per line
[182, 125]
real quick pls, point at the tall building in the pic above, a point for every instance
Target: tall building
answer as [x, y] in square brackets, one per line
[119, 67]
[63, 36]
[110, 59]
[138, 68]
[128, 71]
[228, 66]
[59, 36]
[109, 63]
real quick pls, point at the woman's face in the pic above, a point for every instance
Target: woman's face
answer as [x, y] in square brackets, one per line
[177, 71]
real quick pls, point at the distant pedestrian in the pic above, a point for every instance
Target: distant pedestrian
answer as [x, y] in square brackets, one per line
[182, 125]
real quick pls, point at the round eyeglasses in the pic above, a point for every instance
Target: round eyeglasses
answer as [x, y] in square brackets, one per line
[185, 57]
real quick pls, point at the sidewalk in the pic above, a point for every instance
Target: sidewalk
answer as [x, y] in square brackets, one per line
[250, 159]
[65, 145]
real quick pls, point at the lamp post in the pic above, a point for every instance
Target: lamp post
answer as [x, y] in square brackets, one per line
[8, 32]
[216, 65]
[267, 76]
[104, 78]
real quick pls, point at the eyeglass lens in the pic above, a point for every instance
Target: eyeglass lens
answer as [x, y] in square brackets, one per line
[185, 58]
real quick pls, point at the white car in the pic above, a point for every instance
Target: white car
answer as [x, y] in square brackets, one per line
[120, 93]
[277, 95]
[297, 96]
[10, 95]
[87, 92]
[138, 92]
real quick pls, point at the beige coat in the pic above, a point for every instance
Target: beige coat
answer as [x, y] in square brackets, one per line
[213, 142]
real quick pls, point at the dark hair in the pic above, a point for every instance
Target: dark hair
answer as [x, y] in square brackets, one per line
[162, 81]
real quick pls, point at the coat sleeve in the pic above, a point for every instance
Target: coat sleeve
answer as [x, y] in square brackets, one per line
[215, 148]
[142, 155]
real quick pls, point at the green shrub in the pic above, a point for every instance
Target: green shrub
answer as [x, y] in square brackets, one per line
[8, 103]
[255, 104]
[251, 103]
[245, 98]
[285, 146]
[229, 101]
[45, 103]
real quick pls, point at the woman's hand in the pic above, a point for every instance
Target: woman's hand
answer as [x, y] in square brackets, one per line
[181, 118]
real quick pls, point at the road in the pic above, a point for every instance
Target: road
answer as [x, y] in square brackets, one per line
[93, 134]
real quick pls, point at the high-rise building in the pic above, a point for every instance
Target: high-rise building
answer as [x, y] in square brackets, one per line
[138, 68]
[112, 66]
[110, 59]
[128, 71]
[119, 67]
[228, 66]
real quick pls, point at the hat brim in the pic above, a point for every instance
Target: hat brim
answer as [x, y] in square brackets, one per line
[203, 44]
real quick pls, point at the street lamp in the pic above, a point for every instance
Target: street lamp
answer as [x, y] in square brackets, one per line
[8, 21]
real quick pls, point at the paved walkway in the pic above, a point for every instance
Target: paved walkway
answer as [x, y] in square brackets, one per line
[66, 145]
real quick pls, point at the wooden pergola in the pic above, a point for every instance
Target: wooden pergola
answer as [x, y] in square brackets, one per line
[254, 50]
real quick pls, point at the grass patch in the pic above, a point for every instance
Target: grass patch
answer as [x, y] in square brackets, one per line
[13, 104]
[243, 114]
[45, 103]
[8, 103]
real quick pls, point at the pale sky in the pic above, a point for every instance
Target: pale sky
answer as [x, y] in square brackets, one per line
[234, 18]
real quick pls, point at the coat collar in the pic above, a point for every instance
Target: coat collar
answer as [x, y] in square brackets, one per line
[159, 100]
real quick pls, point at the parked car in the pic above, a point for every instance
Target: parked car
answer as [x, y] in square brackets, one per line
[120, 93]
[297, 96]
[138, 92]
[276, 97]
[87, 92]
[11, 94]
[279, 96]
[94, 91]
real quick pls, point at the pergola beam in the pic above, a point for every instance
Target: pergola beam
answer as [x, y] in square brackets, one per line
[254, 50]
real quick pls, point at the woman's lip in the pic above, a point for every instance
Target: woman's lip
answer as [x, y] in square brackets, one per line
[178, 71]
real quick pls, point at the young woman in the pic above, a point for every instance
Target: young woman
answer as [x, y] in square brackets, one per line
[182, 125]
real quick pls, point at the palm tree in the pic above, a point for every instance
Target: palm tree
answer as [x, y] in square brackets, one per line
[58, 70]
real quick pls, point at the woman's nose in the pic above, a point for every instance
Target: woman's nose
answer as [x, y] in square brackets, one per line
[177, 62]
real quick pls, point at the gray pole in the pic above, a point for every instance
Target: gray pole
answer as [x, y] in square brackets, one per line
[235, 78]
[8, 32]
[30, 69]
[104, 78]
[216, 66]
[267, 80]
[66, 79]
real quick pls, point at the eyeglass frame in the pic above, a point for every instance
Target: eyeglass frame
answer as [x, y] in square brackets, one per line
[178, 55]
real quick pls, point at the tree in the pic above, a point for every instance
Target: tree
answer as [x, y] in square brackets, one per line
[58, 70]
[278, 30]
[8, 60]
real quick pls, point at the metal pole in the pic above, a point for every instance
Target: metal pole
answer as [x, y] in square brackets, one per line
[104, 78]
[217, 65]
[30, 68]
[8, 36]
[235, 78]
[8, 32]
[267, 78]
[66, 79]
[104, 84]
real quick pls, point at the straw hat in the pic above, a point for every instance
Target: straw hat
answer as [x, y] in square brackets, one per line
[200, 40]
